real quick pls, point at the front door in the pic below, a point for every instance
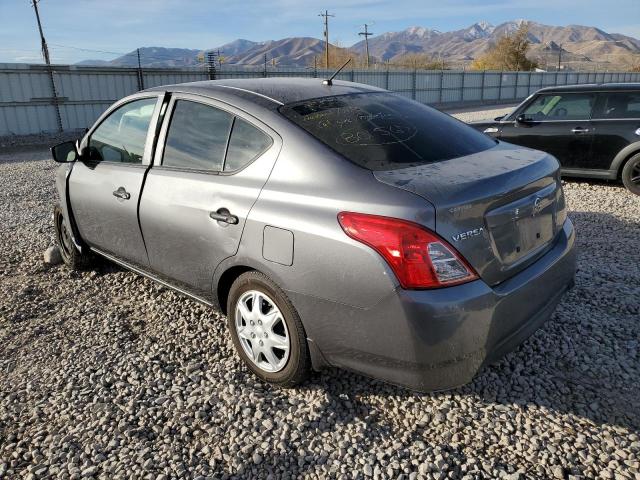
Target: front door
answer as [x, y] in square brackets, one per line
[198, 194]
[105, 186]
[557, 123]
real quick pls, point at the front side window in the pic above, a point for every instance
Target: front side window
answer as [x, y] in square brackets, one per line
[621, 105]
[383, 131]
[197, 137]
[121, 137]
[245, 144]
[567, 106]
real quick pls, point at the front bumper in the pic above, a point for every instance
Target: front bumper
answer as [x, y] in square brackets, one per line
[439, 339]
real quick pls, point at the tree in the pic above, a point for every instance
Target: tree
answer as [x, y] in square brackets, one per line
[632, 63]
[338, 55]
[422, 61]
[508, 53]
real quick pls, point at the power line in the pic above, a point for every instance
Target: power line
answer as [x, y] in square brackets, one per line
[366, 34]
[325, 17]
[93, 50]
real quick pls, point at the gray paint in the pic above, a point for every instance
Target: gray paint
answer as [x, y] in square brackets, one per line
[277, 245]
[175, 208]
[459, 190]
[347, 296]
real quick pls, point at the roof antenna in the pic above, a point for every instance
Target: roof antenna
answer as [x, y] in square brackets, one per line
[329, 81]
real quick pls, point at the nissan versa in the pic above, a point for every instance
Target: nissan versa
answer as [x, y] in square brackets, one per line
[335, 224]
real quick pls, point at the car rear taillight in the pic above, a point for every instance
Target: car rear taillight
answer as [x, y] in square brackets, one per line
[418, 257]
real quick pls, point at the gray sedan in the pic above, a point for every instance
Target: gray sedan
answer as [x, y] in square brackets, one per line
[334, 224]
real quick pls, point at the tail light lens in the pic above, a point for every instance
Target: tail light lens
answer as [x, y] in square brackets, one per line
[419, 258]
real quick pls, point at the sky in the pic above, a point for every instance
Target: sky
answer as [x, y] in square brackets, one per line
[102, 29]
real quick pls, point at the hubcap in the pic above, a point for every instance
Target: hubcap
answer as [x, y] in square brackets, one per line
[262, 331]
[64, 238]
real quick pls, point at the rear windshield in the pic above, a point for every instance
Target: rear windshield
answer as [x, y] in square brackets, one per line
[383, 131]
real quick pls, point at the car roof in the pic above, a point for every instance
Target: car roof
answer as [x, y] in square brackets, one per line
[270, 92]
[591, 87]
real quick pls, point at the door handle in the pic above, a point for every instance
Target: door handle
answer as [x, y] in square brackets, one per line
[223, 215]
[121, 193]
[579, 130]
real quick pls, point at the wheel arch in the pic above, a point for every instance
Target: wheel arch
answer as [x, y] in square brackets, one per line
[224, 278]
[224, 282]
[623, 156]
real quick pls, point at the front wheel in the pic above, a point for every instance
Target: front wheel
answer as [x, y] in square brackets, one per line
[266, 330]
[631, 174]
[71, 256]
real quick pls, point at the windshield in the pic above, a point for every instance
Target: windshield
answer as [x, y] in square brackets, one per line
[382, 131]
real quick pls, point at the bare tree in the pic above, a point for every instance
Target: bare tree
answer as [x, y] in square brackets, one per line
[508, 53]
[339, 55]
[418, 61]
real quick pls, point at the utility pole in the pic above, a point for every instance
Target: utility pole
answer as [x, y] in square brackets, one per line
[140, 78]
[366, 34]
[47, 60]
[326, 16]
[43, 42]
[559, 57]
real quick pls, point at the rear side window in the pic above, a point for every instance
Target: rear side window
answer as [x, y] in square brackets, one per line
[245, 144]
[566, 106]
[383, 131]
[197, 137]
[620, 105]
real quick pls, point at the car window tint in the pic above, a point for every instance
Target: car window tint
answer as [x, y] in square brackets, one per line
[197, 136]
[383, 131]
[245, 144]
[569, 106]
[621, 105]
[121, 137]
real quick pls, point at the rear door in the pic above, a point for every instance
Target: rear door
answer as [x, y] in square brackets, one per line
[104, 188]
[211, 162]
[556, 123]
[615, 121]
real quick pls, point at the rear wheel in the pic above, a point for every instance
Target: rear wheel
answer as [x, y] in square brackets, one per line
[631, 174]
[71, 256]
[266, 330]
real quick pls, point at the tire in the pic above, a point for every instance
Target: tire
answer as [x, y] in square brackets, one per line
[631, 174]
[71, 256]
[275, 324]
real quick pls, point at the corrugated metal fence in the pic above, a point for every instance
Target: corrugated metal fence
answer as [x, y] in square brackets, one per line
[28, 103]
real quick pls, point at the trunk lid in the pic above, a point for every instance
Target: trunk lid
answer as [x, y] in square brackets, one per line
[501, 208]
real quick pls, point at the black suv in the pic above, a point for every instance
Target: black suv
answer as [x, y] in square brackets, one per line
[593, 130]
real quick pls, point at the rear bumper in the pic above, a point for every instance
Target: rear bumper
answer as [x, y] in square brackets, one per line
[439, 339]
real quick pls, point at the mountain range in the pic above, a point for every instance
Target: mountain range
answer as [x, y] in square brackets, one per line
[577, 44]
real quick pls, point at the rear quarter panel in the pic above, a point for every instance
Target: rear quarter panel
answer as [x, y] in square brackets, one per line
[308, 187]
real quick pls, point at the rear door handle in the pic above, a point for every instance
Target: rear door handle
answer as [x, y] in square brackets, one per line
[122, 194]
[579, 130]
[223, 215]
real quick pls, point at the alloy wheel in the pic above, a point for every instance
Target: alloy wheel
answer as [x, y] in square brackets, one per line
[635, 173]
[262, 331]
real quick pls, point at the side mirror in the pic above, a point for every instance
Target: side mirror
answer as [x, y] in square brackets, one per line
[521, 119]
[65, 152]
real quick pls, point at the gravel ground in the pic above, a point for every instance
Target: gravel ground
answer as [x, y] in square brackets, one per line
[475, 115]
[104, 374]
